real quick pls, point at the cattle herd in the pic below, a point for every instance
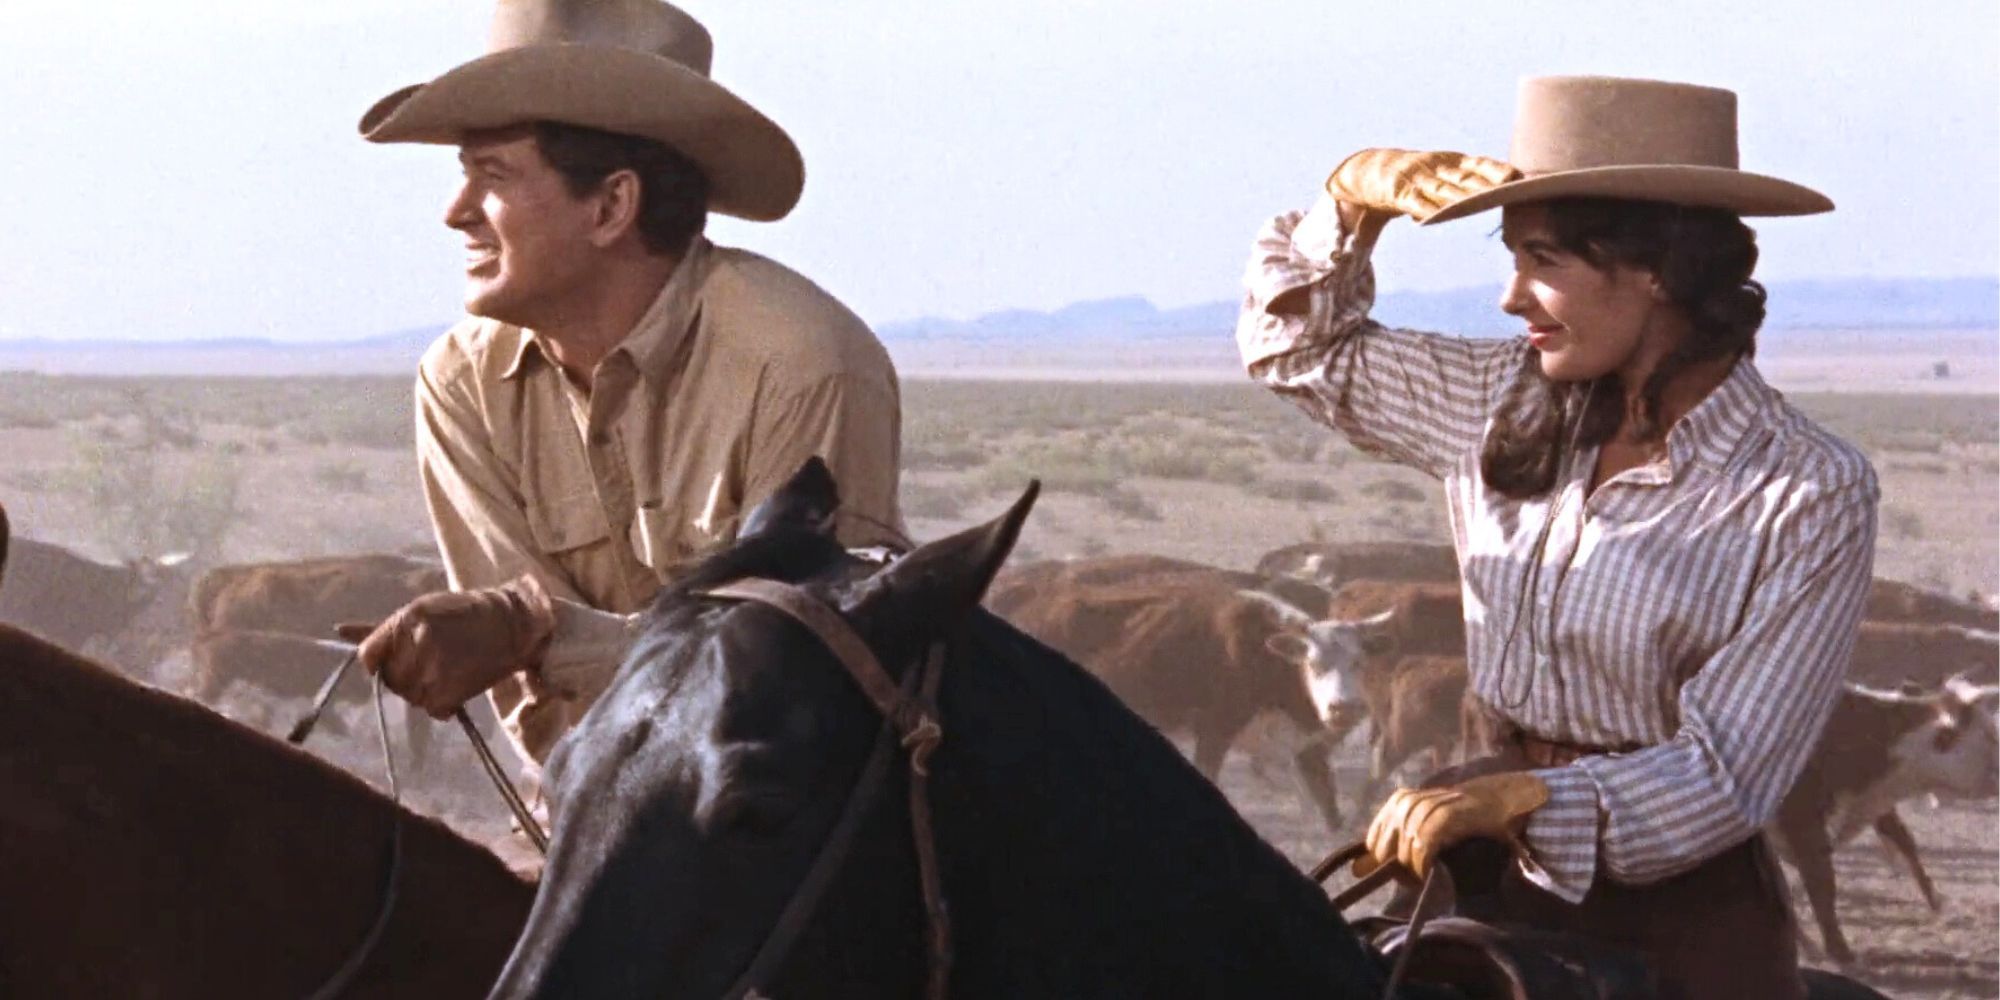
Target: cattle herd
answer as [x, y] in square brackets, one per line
[1314, 642]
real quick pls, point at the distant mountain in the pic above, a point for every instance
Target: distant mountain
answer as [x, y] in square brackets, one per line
[1190, 337]
[1847, 303]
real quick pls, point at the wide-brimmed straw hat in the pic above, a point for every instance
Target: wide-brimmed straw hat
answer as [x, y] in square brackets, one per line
[1611, 137]
[635, 67]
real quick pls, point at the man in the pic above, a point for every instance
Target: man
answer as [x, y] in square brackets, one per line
[624, 390]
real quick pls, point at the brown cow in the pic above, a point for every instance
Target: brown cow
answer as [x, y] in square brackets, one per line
[80, 603]
[1332, 565]
[1896, 601]
[1349, 659]
[1020, 586]
[289, 669]
[216, 860]
[1184, 645]
[1888, 653]
[1426, 714]
[1879, 748]
[255, 622]
[308, 596]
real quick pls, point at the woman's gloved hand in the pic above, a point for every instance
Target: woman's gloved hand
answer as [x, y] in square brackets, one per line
[1417, 824]
[1393, 182]
[444, 648]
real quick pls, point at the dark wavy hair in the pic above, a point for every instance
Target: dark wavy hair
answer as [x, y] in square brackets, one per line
[1703, 258]
[673, 192]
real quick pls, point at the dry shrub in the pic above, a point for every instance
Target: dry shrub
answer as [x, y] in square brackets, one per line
[1291, 447]
[1304, 490]
[1393, 490]
[1129, 504]
[144, 506]
[358, 427]
[1929, 464]
[341, 477]
[933, 502]
[1899, 521]
[1196, 459]
[1063, 466]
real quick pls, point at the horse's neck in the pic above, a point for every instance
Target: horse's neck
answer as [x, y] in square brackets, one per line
[1073, 831]
[167, 806]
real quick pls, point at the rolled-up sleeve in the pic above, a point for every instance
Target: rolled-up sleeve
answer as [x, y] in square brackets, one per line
[1420, 399]
[1748, 717]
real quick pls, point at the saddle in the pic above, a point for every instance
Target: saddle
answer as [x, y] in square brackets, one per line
[1463, 950]
[1459, 954]
[1481, 961]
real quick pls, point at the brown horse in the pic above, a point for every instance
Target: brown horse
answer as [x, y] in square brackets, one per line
[153, 848]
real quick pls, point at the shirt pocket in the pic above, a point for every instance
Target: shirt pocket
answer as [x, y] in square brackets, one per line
[664, 537]
[567, 523]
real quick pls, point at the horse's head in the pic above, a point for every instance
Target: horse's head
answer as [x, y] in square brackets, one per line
[694, 796]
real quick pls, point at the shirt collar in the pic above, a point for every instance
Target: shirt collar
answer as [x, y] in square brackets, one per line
[656, 339]
[1711, 432]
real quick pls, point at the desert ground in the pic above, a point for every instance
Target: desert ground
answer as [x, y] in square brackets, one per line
[239, 469]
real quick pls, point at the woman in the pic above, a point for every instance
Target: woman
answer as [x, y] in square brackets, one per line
[1664, 563]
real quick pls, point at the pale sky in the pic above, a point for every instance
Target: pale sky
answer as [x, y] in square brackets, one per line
[191, 169]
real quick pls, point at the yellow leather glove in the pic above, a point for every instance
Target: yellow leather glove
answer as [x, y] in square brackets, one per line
[1416, 824]
[1417, 184]
[443, 648]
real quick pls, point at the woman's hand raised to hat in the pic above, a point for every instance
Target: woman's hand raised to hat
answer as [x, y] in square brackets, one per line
[1392, 182]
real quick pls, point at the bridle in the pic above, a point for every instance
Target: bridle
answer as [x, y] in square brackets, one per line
[909, 717]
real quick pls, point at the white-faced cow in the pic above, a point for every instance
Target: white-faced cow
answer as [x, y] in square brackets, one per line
[1350, 661]
[1880, 748]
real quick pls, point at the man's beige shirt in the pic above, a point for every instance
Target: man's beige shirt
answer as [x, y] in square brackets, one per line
[740, 371]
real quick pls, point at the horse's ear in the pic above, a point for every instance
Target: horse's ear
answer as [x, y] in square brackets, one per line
[941, 580]
[806, 501]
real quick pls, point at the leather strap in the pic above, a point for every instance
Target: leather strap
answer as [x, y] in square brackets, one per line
[911, 717]
[908, 710]
[1368, 884]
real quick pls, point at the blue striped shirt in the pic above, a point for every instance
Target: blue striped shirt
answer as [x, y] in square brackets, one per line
[1702, 606]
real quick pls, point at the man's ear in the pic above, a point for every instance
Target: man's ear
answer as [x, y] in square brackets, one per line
[617, 201]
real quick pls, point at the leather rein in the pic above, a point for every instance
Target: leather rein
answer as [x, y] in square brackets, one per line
[909, 717]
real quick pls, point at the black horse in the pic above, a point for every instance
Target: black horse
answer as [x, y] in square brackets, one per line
[1081, 855]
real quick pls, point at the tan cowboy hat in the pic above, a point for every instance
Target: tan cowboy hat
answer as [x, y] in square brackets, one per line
[635, 67]
[1610, 137]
